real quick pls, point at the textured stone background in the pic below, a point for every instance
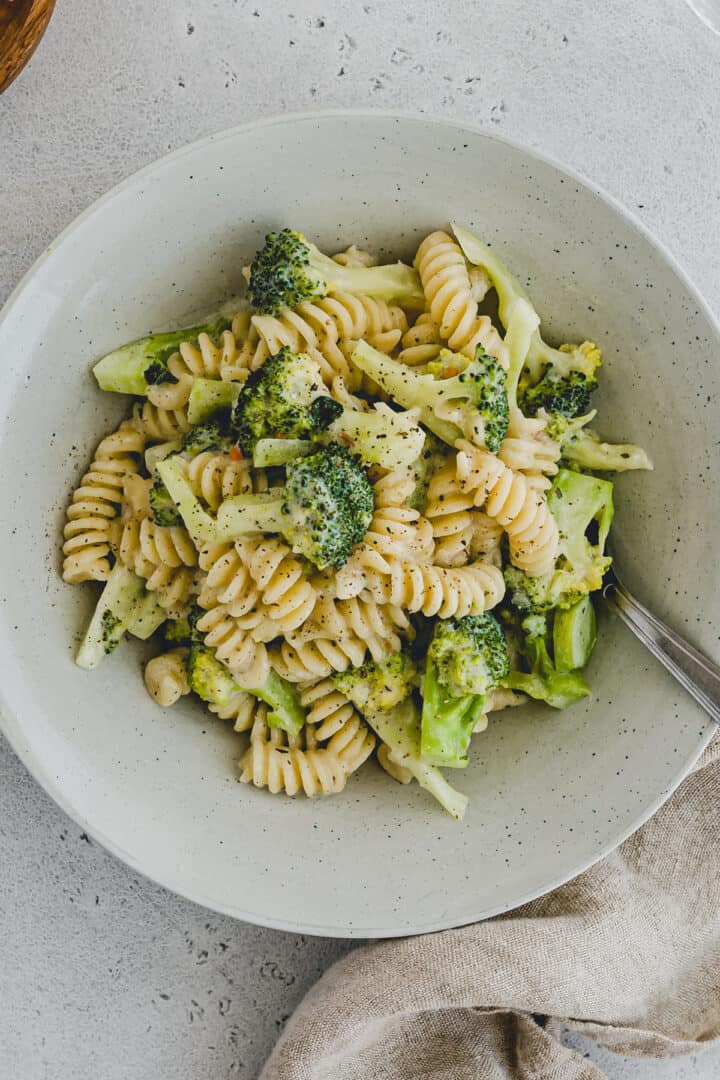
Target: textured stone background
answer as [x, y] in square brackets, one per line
[104, 974]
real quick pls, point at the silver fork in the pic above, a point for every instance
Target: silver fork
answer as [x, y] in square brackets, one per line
[693, 670]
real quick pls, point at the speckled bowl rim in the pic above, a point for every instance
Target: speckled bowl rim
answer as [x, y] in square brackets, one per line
[10, 723]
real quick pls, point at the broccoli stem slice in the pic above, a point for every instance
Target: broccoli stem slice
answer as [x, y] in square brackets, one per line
[380, 438]
[586, 450]
[209, 395]
[286, 712]
[408, 387]
[270, 452]
[149, 617]
[122, 371]
[447, 723]
[559, 690]
[159, 452]
[399, 729]
[509, 291]
[574, 635]
[236, 516]
[116, 611]
[395, 283]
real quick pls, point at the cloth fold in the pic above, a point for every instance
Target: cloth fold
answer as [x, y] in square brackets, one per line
[628, 953]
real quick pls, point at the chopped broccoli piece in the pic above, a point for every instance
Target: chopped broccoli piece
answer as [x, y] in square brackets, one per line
[133, 367]
[582, 448]
[574, 635]
[324, 510]
[274, 452]
[280, 398]
[184, 631]
[212, 682]
[467, 657]
[469, 654]
[377, 686]
[209, 395]
[472, 402]
[287, 397]
[148, 618]
[288, 269]
[399, 729]
[162, 506]
[578, 503]
[559, 395]
[541, 681]
[117, 610]
[213, 434]
[158, 451]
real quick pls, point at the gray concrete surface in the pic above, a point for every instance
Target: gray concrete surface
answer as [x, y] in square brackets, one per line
[104, 974]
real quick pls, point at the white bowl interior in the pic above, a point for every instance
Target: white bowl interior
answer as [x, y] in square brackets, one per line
[549, 792]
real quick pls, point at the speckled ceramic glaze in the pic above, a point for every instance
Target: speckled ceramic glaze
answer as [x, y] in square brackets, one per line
[549, 792]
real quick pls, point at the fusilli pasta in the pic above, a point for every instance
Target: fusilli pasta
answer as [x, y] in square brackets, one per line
[509, 499]
[96, 502]
[166, 677]
[449, 292]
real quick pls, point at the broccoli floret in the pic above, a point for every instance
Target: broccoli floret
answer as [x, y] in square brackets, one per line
[207, 396]
[532, 636]
[466, 658]
[559, 395]
[142, 363]
[212, 682]
[469, 654]
[470, 402]
[288, 269]
[121, 602]
[214, 434]
[184, 631]
[377, 686]
[287, 397]
[583, 448]
[324, 510]
[399, 729]
[162, 506]
[578, 503]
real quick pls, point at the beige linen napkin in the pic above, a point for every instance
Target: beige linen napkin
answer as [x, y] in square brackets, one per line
[628, 953]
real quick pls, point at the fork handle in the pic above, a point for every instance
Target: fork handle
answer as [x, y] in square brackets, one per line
[693, 670]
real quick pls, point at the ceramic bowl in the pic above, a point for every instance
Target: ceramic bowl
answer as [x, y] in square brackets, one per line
[549, 792]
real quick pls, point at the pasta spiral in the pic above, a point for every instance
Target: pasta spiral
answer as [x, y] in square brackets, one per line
[437, 590]
[449, 293]
[160, 425]
[166, 677]
[327, 709]
[279, 763]
[329, 329]
[421, 343]
[527, 448]
[287, 594]
[509, 499]
[96, 501]
[164, 556]
[319, 658]
[214, 477]
[461, 532]
[234, 645]
[241, 709]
